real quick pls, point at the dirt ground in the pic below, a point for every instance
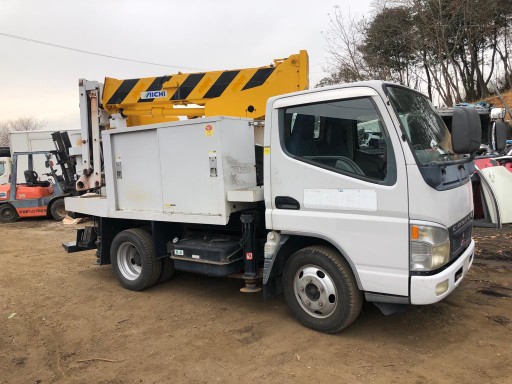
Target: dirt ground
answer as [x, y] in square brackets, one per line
[65, 320]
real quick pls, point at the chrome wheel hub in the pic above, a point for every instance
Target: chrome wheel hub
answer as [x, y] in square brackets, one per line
[128, 260]
[315, 291]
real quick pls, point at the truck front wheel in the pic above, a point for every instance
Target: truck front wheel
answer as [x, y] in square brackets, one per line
[321, 290]
[133, 259]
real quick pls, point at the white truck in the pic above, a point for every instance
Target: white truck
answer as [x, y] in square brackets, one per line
[335, 222]
[31, 141]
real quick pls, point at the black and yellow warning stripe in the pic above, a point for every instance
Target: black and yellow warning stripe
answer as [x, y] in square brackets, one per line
[189, 83]
[252, 85]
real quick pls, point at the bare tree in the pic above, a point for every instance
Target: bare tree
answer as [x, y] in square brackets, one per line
[453, 48]
[18, 125]
[344, 38]
[504, 42]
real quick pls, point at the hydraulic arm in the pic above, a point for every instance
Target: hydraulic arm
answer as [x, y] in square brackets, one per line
[238, 92]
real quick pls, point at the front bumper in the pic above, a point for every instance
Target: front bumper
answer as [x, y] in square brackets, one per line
[423, 288]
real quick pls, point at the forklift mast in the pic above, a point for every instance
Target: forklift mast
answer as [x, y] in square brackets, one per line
[66, 163]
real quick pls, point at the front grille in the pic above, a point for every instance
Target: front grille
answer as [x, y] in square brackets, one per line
[460, 236]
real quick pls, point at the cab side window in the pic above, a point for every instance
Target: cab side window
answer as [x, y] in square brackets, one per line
[345, 136]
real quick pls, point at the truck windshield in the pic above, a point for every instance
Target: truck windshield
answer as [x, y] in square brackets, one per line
[429, 138]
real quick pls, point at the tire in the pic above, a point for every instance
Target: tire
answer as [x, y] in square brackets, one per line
[321, 290]
[8, 214]
[58, 210]
[133, 259]
[167, 270]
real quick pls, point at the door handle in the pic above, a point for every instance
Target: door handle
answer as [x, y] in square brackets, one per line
[286, 202]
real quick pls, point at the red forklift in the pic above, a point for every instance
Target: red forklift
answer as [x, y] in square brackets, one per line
[36, 198]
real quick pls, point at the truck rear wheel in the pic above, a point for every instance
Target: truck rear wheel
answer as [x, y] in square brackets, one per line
[133, 259]
[321, 290]
[58, 210]
[8, 213]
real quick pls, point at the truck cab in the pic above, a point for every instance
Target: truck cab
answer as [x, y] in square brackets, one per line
[398, 208]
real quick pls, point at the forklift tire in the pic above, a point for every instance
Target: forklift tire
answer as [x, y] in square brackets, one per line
[132, 255]
[321, 290]
[167, 270]
[8, 213]
[58, 210]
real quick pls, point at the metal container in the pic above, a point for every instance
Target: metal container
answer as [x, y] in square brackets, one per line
[180, 171]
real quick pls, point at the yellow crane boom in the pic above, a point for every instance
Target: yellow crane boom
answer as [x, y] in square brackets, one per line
[238, 92]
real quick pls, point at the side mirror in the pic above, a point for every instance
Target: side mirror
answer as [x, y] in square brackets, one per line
[502, 130]
[466, 130]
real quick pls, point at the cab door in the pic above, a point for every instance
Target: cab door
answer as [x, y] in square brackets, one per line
[337, 172]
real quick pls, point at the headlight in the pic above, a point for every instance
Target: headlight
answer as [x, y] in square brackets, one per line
[430, 247]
